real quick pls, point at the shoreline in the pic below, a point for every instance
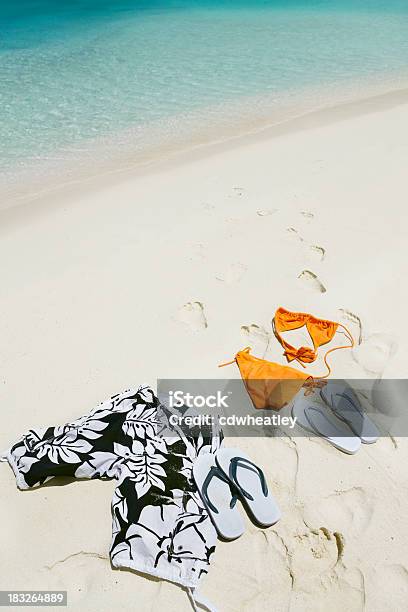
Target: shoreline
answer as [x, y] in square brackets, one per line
[169, 157]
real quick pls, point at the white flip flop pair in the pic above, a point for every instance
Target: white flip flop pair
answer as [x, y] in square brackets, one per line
[223, 478]
[345, 425]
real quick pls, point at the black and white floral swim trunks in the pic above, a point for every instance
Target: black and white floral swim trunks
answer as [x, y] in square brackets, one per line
[160, 525]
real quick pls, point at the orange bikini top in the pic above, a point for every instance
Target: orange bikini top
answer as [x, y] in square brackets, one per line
[321, 332]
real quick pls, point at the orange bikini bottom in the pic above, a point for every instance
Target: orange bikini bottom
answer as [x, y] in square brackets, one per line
[272, 385]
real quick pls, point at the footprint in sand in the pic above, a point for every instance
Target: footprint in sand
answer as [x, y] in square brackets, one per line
[197, 252]
[294, 233]
[315, 563]
[317, 251]
[266, 212]
[314, 251]
[238, 191]
[317, 544]
[232, 274]
[311, 281]
[345, 510]
[192, 314]
[257, 336]
[208, 207]
[306, 214]
[353, 318]
[374, 352]
[313, 555]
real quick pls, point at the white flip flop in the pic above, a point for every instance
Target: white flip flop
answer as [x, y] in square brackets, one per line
[217, 493]
[343, 401]
[251, 485]
[313, 416]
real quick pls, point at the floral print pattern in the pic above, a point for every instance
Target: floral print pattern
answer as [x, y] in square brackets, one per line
[159, 523]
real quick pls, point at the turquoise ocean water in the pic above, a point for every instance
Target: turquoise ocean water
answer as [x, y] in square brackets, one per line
[77, 72]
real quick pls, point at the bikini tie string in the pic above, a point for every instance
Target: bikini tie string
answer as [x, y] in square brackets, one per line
[311, 384]
[247, 349]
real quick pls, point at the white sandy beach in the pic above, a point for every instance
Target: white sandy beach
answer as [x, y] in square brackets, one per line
[94, 281]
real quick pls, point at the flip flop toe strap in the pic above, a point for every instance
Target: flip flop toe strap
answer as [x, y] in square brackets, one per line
[215, 472]
[236, 462]
[343, 413]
